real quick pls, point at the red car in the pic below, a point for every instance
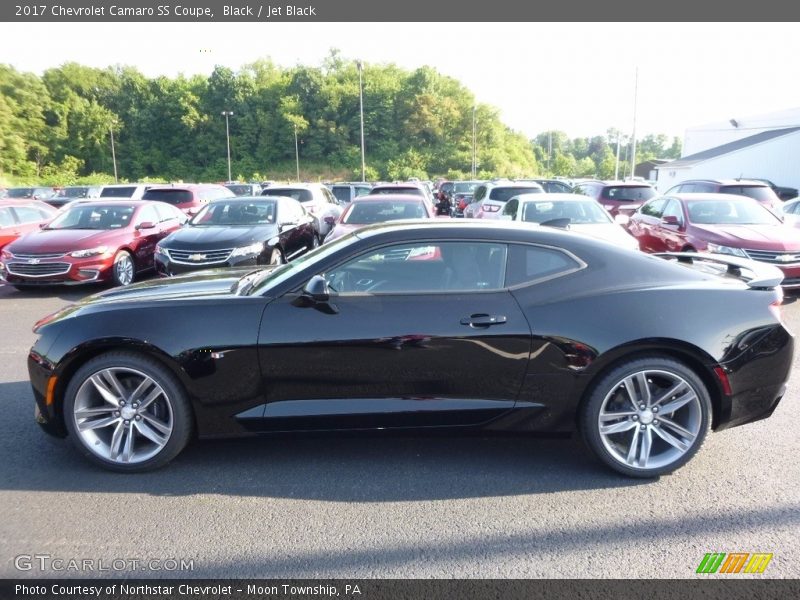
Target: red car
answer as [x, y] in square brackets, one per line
[718, 223]
[190, 198]
[617, 197]
[367, 210]
[18, 217]
[89, 242]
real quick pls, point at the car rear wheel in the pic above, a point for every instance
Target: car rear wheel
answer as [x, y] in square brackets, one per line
[123, 271]
[646, 417]
[127, 412]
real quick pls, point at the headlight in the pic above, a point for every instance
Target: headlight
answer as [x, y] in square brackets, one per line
[256, 248]
[716, 249]
[6, 255]
[90, 252]
[160, 250]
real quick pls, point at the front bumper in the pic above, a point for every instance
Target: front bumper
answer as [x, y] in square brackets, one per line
[165, 267]
[59, 271]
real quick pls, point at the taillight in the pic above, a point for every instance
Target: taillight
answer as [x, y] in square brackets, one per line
[723, 380]
[490, 208]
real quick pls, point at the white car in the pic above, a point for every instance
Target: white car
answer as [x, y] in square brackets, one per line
[490, 198]
[570, 211]
[317, 200]
[127, 191]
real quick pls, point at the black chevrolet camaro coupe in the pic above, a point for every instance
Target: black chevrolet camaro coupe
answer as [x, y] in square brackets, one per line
[408, 325]
[236, 232]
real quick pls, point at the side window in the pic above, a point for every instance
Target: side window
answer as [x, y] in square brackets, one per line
[654, 208]
[28, 214]
[704, 188]
[362, 191]
[510, 209]
[423, 267]
[6, 219]
[147, 214]
[673, 209]
[527, 264]
[480, 193]
[687, 188]
[167, 213]
[580, 189]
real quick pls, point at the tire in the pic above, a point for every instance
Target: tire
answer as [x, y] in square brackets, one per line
[276, 257]
[123, 271]
[151, 436]
[645, 442]
[315, 242]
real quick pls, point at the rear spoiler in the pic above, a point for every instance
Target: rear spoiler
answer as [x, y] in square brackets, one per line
[755, 274]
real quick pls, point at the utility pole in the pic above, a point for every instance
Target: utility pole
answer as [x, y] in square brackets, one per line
[616, 167]
[226, 114]
[474, 142]
[296, 152]
[360, 66]
[113, 152]
[633, 140]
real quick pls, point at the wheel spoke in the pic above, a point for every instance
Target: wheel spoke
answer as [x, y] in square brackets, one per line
[632, 451]
[162, 428]
[630, 387]
[98, 423]
[671, 439]
[104, 391]
[150, 433]
[644, 388]
[116, 441]
[94, 411]
[647, 443]
[616, 415]
[141, 389]
[685, 433]
[671, 407]
[148, 400]
[127, 451]
[618, 427]
[673, 391]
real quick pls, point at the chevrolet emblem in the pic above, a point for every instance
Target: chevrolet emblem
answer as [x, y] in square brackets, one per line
[34, 261]
[197, 256]
[787, 258]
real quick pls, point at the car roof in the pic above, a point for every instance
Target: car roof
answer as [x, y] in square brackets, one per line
[710, 197]
[186, 186]
[248, 199]
[558, 197]
[753, 182]
[296, 186]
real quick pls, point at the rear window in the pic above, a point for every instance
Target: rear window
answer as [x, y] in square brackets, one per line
[20, 193]
[241, 190]
[301, 195]
[628, 193]
[171, 196]
[504, 194]
[118, 192]
[342, 192]
[377, 211]
[760, 193]
[398, 190]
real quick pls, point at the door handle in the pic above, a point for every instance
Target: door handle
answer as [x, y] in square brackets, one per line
[481, 320]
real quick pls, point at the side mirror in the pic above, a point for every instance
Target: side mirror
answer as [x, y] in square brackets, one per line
[621, 219]
[317, 289]
[146, 225]
[330, 220]
[670, 220]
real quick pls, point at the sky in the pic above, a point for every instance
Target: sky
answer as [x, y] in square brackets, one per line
[574, 77]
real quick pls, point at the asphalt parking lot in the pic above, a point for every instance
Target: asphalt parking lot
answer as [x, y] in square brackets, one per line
[389, 507]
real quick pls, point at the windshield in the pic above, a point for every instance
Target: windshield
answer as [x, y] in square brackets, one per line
[299, 194]
[93, 216]
[628, 193]
[170, 196]
[74, 192]
[465, 187]
[729, 212]
[578, 212]
[236, 213]
[503, 194]
[240, 190]
[269, 279]
[378, 211]
[20, 193]
[342, 192]
[118, 192]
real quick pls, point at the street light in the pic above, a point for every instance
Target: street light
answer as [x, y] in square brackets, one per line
[360, 66]
[113, 152]
[474, 142]
[226, 114]
[296, 153]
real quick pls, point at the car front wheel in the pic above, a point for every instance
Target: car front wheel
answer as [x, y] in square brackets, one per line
[646, 417]
[127, 412]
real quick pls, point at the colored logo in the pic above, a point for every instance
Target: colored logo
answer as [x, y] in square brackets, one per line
[734, 562]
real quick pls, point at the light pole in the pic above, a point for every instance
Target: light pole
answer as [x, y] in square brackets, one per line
[113, 152]
[616, 166]
[633, 138]
[360, 66]
[226, 114]
[296, 153]
[474, 141]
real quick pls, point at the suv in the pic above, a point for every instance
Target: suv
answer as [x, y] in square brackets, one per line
[551, 186]
[346, 192]
[316, 199]
[128, 191]
[753, 188]
[618, 197]
[30, 193]
[489, 198]
[189, 198]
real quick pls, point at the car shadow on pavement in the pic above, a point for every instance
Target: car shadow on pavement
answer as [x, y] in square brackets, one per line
[344, 468]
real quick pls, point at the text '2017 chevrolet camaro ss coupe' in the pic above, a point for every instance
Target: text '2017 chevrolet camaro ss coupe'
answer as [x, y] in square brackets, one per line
[459, 325]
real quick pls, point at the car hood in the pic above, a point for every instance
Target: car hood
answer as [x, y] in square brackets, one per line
[217, 237]
[610, 232]
[211, 284]
[62, 240]
[757, 237]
